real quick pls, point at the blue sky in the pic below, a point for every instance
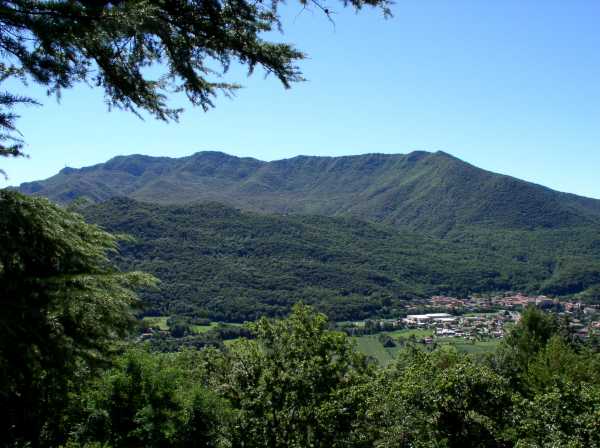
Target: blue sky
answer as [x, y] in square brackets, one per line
[512, 86]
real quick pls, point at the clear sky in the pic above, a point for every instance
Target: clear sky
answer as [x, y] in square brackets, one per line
[512, 86]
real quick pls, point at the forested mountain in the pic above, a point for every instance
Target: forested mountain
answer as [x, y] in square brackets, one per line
[431, 192]
[231, 265]
[356, 236]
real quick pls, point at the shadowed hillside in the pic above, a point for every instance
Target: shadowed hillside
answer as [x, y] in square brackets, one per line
[231, 265]
[432, 192]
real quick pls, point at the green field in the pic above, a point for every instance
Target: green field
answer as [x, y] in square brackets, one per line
[159, 322]
[199, 329]
[476, 347]
[370, 345]
[408, 332]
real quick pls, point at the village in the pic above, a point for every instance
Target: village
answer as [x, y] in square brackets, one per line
[473, 323]
[468, 327]
[583, 319]
[477, 318]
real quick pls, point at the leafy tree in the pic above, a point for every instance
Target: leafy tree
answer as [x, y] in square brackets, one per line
[533, 331]
[179, 327]
[559, 361]
[152, 401]
[524, 341]
[298, 385]
[441, 399]
[62, 307]
[386, 340]
[567, 415]
[113, 44]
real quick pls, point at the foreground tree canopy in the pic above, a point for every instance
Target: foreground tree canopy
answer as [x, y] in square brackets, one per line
[63, 309]
[68, 377]
[112, 44]
[298, 384]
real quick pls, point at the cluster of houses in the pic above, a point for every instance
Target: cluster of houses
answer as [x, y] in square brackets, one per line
[583, 318]
[471, 327]
[479, 318]
[507, 301]
[583, 328]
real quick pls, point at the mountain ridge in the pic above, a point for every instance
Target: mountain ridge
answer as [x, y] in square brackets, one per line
[433, 192]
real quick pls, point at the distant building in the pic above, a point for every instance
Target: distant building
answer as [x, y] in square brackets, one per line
[447, 302]
[445, 320]
[438, 315]
[421, 319]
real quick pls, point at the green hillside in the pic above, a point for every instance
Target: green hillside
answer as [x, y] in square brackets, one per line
[230, 265]
[431, 192]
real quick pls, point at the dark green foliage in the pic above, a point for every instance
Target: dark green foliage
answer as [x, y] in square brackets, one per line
[548, 398]
[62, 307]
[237, 266]
[567, 257]
[524, 350]
[298, 385]
[386, 340]
[151, 401]
[539, 353]
[442, 399]
[431, 192]
[559, 362]
[555, 383]
[215, 337]
[566, 415]
[532, 334]
[179, 327]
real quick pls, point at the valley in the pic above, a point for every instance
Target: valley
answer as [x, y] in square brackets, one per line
[314, 224]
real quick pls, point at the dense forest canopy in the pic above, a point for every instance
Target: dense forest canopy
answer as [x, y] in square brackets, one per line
[218, 262]
[401, 227]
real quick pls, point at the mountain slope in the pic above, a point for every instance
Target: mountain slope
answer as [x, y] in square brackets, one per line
[432, 192]
[233, 265]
